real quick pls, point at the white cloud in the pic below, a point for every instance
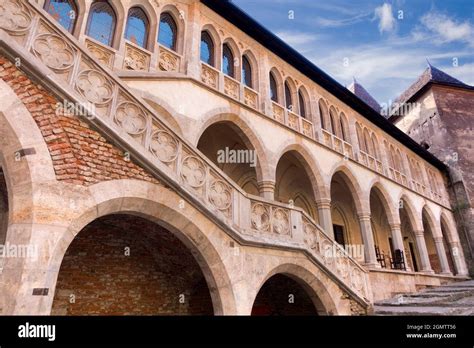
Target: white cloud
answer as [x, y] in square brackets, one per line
[385, 16]
[296, 38]
[335, 23]
[447, 29]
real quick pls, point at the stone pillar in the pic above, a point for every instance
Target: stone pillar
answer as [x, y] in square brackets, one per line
[266, 189]
[423, 251]
[459, 263]
[368, 239]
[397, 240]
[441, 251]
[325, 218]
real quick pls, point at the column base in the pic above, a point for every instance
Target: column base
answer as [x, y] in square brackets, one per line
[372, 265]
[427, 271]
[446, 273]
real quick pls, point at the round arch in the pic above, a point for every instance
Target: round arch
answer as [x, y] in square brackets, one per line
[179, 18]
[160, 205]
[211, 30]
[405, 203]
[321, 297]
[254, 66]
[361, 203]
[242, 128]
[378, 188]
[18, 130]
[152, 16]
[163, 108]
[432, 222]
[237, 57]
[279, 84]
[310, 165]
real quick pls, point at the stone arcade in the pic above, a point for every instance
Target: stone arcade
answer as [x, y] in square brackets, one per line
[131, 211]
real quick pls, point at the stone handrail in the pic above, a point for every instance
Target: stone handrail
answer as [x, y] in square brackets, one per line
[112, 108]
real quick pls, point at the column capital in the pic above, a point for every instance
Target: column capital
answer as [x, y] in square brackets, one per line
[395, 225]
[323, 203]
[438, 239]
[266, 185]
[364, 216]
[419, 233]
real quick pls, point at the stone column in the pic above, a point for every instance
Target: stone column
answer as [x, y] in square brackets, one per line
[441, 251]
[423, 251]
[397, 240]
[368, 239]
[266, 189]
[459, 263]
[325, 218]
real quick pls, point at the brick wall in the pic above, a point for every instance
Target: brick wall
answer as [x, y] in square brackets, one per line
[80, 154]
[104, 280]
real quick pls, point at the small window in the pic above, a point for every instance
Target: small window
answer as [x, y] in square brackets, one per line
[273, 89]
[302, 104]
[288, 99]
[101, 23]
[168, 31]
[137, 27]
[227, 61]
[64, 11]
[339, 234]
[246, 72]
[207, 48]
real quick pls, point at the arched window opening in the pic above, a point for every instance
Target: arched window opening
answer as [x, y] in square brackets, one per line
[375, 147]
[334, 122]
[323, 112]
[64, 11]
[228, 61]
[101, 23]
[288, 99]
[302, 104]
[207, 49]
[247, 72]
[344, 130]
[273, 88]
[360, 138]
[137, 27]
[168, 31]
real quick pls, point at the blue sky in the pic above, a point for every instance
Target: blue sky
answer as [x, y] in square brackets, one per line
[383, 44]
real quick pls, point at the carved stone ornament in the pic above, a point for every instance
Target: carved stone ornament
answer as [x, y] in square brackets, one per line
[193, 171]
[94, 86]
[164, 146]
[131, 118]
[55, 52]
[14, 16]
[220, 195]
[260, 218]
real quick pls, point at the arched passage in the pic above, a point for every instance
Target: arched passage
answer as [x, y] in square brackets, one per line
[429, 231]
[447, 240]
[294, 184]
[282, 295]
[123, 264]
[380, 213]
[227, 146]
[345, 205]
[407, 228]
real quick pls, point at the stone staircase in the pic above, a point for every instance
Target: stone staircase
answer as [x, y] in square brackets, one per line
[99, 96]
[449, 299]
